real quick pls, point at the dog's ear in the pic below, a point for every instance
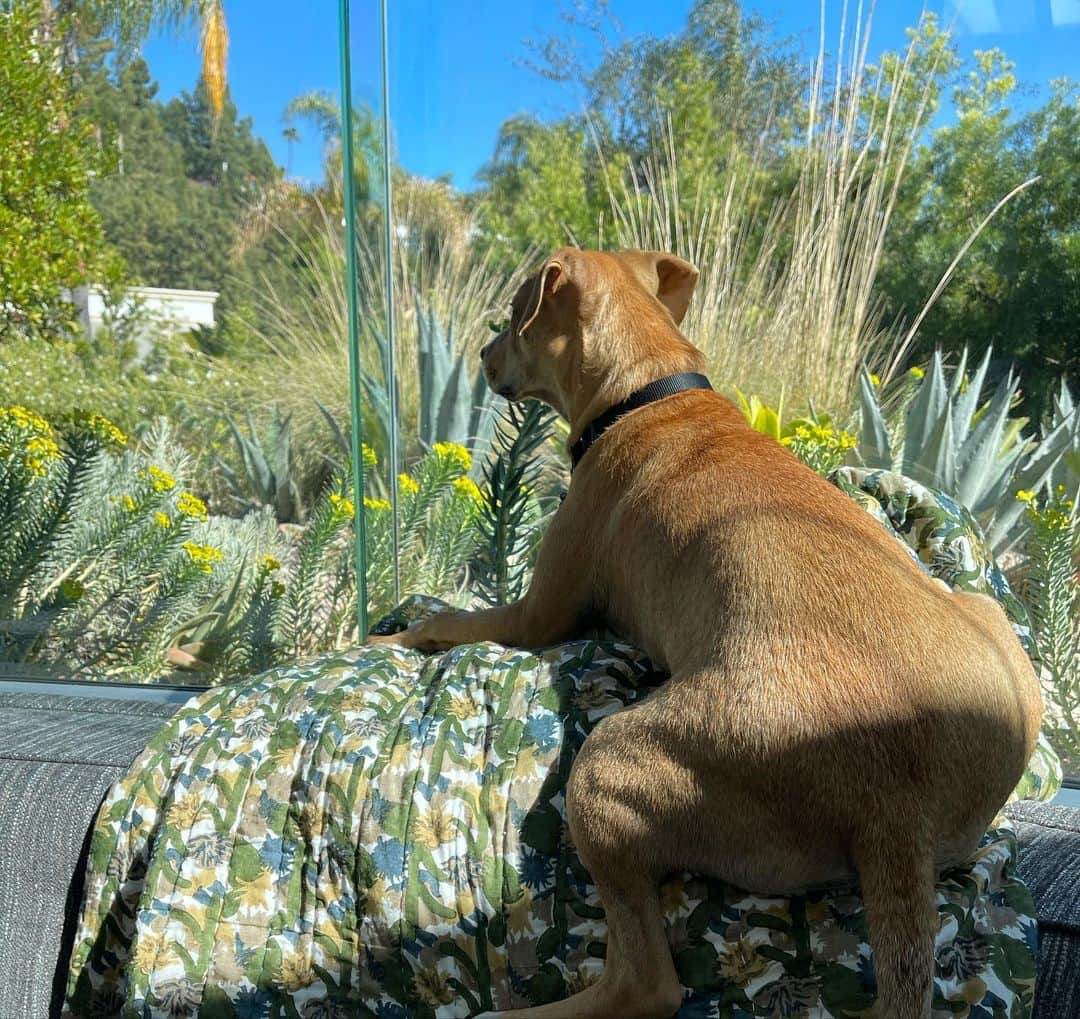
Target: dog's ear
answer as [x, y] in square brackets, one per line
[549, 280]
[670, 278]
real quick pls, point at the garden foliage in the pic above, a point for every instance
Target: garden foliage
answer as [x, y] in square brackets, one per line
[50, 235]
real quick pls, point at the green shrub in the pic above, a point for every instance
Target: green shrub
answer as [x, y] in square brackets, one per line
[112, 568]
[109, 556]
[816, 440]
[50, 235]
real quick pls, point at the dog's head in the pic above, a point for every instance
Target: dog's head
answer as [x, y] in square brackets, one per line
[586, 314]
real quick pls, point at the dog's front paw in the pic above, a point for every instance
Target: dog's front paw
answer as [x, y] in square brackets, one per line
[422, 635]
[426, 635]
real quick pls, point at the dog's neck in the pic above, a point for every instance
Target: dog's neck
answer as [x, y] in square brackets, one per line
[646, 353]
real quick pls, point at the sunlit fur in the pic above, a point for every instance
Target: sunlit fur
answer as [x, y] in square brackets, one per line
[831, 711]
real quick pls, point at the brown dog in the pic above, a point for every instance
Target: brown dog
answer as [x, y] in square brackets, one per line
[831, 710]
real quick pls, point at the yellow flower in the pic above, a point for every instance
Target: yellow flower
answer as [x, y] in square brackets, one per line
[160, 481]
[128, 503]
[24, 418]
[343, 508]
[1024, 495]
[162, 519]
[468, 488]
[39, 451]
[916, 372]
[875, 380]
[191, 506]
[456, 455]
[104, 430]
[203, 556]
[367, 457]
[378, 505]
[268, 563]
[407, 484]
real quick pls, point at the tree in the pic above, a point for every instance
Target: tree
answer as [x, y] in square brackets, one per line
[50, 235]
[291, 136]
[723, 93]
[174, 203]
[322, 109]
[544, 186]
[1018, 287]
[131, 21]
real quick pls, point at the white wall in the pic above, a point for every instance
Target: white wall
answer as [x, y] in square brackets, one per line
[163, 310]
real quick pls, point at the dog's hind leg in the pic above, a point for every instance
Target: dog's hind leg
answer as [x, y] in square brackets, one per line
[639, 979]
[622, 826]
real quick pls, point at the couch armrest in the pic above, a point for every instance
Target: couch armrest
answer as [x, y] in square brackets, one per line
[58, 757]
[1050, 865]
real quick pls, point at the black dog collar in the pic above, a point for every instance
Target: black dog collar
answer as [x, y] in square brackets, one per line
[654, 391]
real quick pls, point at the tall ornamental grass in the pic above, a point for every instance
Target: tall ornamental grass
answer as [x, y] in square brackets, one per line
[785, 302]
[442, 272]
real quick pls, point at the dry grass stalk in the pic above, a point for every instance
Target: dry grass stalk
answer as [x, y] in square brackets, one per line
[785, 303]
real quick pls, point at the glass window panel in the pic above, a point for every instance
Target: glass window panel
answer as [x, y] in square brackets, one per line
[824, 205]
[175, 496]
[180, 409]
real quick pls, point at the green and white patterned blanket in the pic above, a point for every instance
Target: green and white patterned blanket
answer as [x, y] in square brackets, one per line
[380, 833]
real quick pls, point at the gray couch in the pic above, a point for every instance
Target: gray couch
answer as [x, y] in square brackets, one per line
[61, 748]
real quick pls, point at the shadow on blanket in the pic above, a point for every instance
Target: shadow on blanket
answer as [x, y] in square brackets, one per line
[381, 833]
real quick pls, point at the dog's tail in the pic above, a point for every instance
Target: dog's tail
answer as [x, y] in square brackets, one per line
[898, 885]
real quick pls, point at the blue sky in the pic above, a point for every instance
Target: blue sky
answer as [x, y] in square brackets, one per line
[456, 71]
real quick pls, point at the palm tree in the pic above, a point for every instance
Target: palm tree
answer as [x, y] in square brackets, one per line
[131, 21]
[323, 109]
[292, 136]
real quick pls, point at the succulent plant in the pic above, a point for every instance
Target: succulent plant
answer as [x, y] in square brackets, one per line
[450, 409]
[1066, 472]
[976, 452]
[267, 478]
[817, 440]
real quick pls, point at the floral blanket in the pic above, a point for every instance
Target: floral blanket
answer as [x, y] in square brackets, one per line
[379, 833]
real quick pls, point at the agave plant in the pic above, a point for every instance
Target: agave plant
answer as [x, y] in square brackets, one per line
[267, 462]
[450, 410]
[977, 453]
[1066, 472]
